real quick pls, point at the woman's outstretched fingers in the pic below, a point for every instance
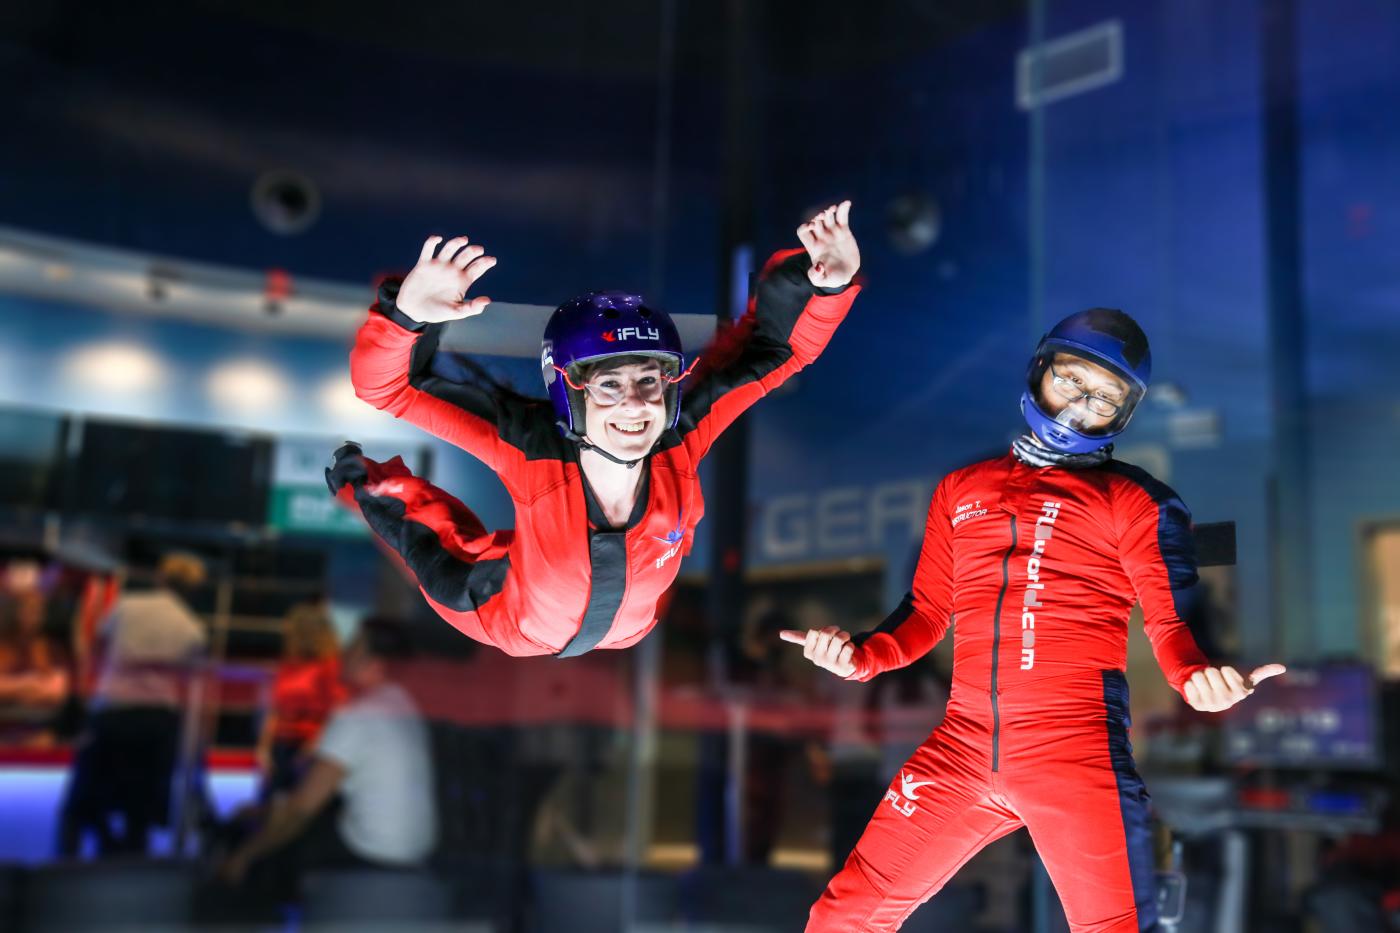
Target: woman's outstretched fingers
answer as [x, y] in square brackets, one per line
[477, 267]
[449, 249]
[843, 214]
[468, 255]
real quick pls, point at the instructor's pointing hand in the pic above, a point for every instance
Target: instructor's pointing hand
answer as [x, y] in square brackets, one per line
[436, 289]
[1215, 689]
[829, 647]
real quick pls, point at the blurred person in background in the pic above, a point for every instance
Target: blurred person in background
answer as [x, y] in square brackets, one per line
[765, 668]
[305, 691]
[597, 541]
[126, 758]
[1359, 888]
[34, 671]
[374, 756]
[1041, 555]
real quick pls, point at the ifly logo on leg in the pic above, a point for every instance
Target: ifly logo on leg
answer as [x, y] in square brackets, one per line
[902, 800]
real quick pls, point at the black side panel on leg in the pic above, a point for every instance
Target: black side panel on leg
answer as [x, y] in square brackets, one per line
[1133, 802]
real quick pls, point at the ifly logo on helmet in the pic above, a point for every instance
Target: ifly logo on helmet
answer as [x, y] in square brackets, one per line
[631, 333]
[1044, 531]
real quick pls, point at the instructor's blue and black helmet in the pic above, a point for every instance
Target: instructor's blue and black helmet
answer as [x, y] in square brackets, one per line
[595, 326]
[1102, 336]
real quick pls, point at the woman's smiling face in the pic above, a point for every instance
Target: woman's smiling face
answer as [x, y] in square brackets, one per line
[625, 408]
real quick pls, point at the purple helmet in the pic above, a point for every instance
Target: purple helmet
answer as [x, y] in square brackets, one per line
[597, 325]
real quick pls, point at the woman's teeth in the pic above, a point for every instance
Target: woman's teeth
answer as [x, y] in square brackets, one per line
[633, 427]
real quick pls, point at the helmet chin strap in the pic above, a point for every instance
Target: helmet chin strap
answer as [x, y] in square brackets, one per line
[585, 445]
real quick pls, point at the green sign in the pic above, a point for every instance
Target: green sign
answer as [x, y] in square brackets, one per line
[312, 509]
[300, 501]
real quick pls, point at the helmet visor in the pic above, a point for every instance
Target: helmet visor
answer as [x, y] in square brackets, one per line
[1082, 391]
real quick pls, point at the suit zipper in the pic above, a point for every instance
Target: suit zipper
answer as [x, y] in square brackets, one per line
[996, 648]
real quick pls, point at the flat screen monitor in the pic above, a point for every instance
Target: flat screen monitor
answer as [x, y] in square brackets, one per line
[187, 475]
[1323, 717]
[31, 444]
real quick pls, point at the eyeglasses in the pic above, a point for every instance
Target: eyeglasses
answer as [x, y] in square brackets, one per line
[1072, 391]
[610, 389]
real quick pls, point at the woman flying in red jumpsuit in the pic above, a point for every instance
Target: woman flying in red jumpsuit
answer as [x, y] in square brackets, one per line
[597, 541]
[1040, 555]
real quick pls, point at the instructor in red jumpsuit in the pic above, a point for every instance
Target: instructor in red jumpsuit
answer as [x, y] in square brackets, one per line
[1039, 555]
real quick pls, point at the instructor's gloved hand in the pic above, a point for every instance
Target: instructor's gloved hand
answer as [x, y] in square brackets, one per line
[436, 289]
[829, 648]
[1218, 688]
[832, 247]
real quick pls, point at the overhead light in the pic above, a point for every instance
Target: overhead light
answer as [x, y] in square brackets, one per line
[247, 386]
[115, 366]
[337, 398]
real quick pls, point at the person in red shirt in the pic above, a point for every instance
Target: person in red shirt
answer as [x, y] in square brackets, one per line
[306, 690]
[1040, 556]
[605, 474]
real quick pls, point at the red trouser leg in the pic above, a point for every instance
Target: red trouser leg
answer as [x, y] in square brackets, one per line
[1071, 778]
[1065, 769]
[1082, 847]
[920, 835]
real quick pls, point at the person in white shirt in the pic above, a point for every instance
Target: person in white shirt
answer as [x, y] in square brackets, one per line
[149, 637]
[126, 758]
[375, 753]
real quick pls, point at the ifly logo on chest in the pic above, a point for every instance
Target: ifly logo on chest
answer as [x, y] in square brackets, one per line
[672, 538]
[1044, 531]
